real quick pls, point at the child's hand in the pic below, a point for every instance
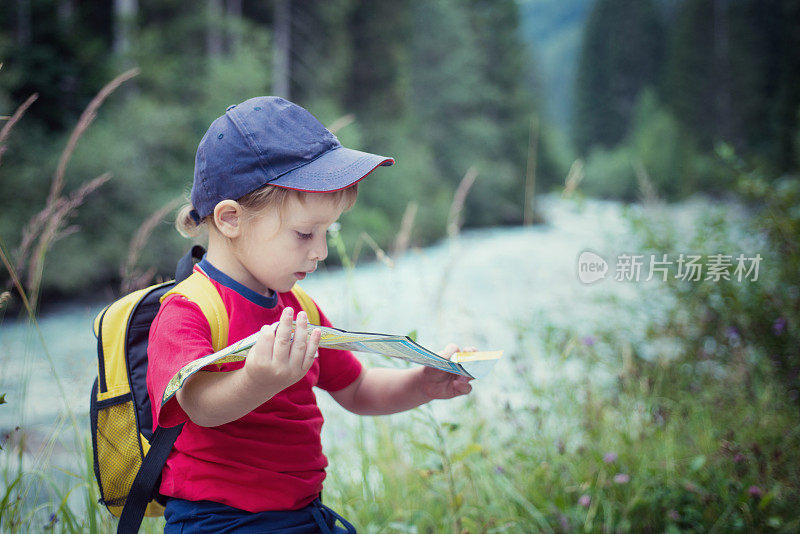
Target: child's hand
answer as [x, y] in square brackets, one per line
[277, 360]
[438, 384]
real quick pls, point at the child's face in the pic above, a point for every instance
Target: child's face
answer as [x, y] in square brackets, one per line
[276, 250]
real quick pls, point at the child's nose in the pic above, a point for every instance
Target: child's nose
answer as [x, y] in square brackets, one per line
[320, 249]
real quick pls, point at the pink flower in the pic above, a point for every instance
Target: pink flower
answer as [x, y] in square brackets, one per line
[585, 501]
[739, 458]
[589, 341]
[674, 515]
[621, 478]
[610, 457]
[755, 491]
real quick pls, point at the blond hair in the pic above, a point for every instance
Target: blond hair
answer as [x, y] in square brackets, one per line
[266, 197]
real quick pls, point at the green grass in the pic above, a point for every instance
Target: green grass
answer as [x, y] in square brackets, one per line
[667, 448]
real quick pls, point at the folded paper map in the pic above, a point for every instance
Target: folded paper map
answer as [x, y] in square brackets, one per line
[470, 364]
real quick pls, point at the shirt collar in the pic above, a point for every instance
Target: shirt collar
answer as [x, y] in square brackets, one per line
[222, 278]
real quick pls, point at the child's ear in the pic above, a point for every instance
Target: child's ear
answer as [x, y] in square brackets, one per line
[228, 218]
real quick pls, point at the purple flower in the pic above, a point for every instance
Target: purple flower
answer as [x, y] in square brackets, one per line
[585, 501]
[621, 478]
[610, 457]
[53, 519]
[779, 326]
[739, 458]
[755, 491]
[499, 470]
[732, 333]
[674, 515]
[589, 341]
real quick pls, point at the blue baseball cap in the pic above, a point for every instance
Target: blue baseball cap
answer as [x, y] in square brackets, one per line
[269, 140]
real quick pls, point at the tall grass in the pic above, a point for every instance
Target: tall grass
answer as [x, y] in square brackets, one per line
[39, 495]
[666, 446]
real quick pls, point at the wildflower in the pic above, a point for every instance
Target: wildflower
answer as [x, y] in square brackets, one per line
[53, 519]
[610, 457]
[733, 334]
[674, 515]
[499, 470]
[621, 478]
[739, 458]
[585, 501]
[588, 341]
[779, 326]
[755, 491]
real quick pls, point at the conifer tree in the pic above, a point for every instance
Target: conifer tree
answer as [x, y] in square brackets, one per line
[732, 75]
[377, 88]
[505, 106]
[620, 55]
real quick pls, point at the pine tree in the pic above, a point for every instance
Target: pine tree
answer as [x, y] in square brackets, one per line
[377, 88]
[732, 75]
[691, 88]
[505, 105]
[321, 51]
[620, 55]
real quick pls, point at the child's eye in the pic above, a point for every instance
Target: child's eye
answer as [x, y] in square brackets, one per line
[301, 235]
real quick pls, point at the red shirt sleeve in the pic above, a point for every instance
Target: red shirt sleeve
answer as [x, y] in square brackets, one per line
[337, 368]
[178, 335]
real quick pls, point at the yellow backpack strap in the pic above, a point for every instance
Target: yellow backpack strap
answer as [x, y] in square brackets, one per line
[199, 289]
[308, 305]
[198, 292]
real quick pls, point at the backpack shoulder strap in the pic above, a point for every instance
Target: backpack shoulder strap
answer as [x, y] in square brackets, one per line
[308, 305]
[199, 289]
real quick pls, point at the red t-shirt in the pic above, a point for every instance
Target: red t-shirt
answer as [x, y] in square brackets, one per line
[270, 459]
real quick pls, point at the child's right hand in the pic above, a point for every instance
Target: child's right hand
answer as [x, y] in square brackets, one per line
[277, 360]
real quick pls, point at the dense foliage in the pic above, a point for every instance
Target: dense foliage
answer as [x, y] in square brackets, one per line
[661, 83]
[651, 88]
[440, 86]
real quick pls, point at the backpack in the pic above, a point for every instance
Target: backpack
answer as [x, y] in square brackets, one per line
[128, 454]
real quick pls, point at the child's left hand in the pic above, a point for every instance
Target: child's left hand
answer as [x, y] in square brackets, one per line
[438, 384]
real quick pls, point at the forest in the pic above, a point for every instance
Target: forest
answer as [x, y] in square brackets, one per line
[657, 87]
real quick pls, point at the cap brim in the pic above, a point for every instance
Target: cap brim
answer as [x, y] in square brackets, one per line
[332, 171]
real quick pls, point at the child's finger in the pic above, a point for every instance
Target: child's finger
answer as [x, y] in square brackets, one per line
[462, 388]
[283, 335]
[265, 341]
[311, 348]
[449, 350]
[299, 339]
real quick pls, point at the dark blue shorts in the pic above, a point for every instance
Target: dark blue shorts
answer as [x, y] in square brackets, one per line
[188, 517]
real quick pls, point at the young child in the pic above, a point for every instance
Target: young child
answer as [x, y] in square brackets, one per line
[269, 180]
